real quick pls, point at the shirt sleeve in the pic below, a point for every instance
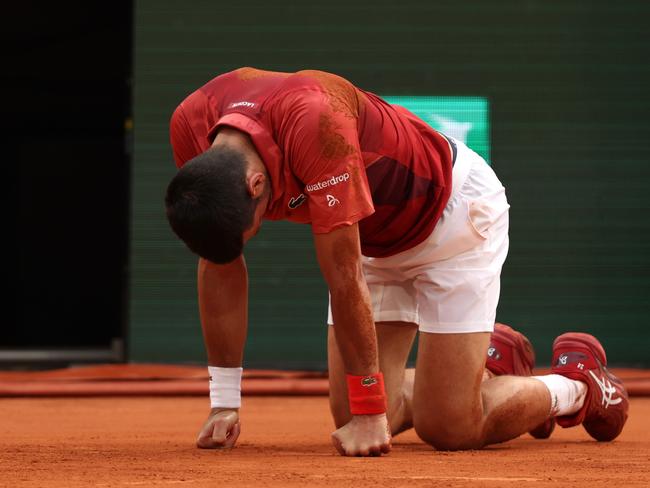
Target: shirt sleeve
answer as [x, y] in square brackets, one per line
[182, 138]
[320, 140]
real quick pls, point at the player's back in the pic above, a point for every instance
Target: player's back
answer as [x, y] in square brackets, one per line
[408, 164]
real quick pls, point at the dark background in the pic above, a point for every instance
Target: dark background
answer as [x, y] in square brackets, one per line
[567, 83]
[69, 71]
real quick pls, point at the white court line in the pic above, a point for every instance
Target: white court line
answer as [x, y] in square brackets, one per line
[464, 478]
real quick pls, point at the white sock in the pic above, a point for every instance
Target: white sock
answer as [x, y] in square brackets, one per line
[567, 395]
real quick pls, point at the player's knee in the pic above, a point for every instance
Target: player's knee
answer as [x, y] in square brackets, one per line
[448, 434]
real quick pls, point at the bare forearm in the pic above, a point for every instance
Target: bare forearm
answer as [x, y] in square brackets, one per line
[223, 304]
[339, 256]
[354, 328]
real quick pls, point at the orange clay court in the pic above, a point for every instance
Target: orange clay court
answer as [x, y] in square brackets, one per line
[92, 427]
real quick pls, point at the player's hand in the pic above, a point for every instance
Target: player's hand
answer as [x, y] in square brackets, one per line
[221, 430]
[364, 435]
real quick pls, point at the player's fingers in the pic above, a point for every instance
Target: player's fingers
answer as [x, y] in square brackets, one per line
[207, 443]
[337, 444]
[221, 427]
[216, 432]
[204, 440]
[361, 452]
[233, 434]
[385, 448]
[374, 451]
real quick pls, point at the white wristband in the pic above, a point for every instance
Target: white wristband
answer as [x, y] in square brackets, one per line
[225, 387]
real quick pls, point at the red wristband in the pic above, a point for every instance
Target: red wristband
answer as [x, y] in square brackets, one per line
[366, 394]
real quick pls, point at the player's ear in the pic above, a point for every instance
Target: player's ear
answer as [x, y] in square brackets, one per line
[256, 183]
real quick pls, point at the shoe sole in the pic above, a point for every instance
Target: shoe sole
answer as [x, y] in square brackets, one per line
[545, 430]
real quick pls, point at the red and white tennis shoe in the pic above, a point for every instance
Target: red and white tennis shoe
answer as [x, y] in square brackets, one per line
[511, 353]
[581, 357]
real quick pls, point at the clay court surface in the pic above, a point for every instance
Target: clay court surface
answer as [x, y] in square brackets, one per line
[149, 441]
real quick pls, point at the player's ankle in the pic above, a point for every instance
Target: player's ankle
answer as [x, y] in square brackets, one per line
[567, 395]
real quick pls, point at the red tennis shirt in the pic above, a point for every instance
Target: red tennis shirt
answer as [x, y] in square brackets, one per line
[335, 154]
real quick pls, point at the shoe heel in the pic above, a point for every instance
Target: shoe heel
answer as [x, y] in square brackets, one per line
[580, 340]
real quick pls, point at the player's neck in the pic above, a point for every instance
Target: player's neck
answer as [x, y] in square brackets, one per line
[235, 139]
[240, 141]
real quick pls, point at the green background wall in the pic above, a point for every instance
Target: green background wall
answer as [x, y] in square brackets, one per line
[567, 84]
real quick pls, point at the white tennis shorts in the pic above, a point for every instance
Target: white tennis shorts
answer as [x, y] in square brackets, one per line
[450, 283]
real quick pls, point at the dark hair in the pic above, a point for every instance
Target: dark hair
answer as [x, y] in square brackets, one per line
[208, 205]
